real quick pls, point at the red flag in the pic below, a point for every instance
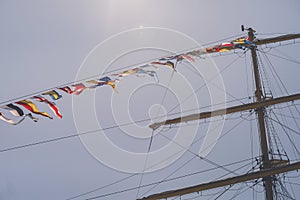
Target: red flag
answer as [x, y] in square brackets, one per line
[66, 89]
[32, 108]
[51, 105]
[78, 88]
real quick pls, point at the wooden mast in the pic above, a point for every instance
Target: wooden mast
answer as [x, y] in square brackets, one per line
[259, 107]
[261, 120]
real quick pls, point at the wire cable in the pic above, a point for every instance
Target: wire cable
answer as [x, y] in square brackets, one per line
[199, 88]
[196, 155]
[284, 126]
[97, 189]
[281, 124]
[277, 56]
[94, 190]
[94, 131]
[151, 138]
[163, 181]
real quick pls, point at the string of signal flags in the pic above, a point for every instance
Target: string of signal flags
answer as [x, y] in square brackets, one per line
[16, 109]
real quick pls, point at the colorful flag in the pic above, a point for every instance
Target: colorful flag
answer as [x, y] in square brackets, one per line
[138, 71]
[168, 63]
[125, 73]
[66, 89]
[51, 105]
[53, 94]
[103, 81]
[78, 88]
[224, 47]
[187, 57]
[32, 108]
[18, 112]
[212, 49]
[32, 117]
[15, 110]
[10, 121]
[242, 42]
[113, 85]
[172, 58]
[96, 83]
[147, 72]
[248, 41]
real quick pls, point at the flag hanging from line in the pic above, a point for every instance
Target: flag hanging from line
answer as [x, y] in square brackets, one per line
[78, 88]
[150, 73]
[12, 122]
[51, 105]
[169, 61]
[13, 109]
[103, 81]
[66, 89]
[53, 94]
[32, 108]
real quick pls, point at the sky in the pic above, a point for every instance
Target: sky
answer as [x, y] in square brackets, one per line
[45, 44]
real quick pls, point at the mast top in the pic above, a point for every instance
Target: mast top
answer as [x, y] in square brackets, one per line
[247, 29]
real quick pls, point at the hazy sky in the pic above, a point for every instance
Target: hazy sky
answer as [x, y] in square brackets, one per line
[43, 45]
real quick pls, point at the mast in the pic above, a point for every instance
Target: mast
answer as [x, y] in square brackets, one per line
[268, 169]
[261, 120]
